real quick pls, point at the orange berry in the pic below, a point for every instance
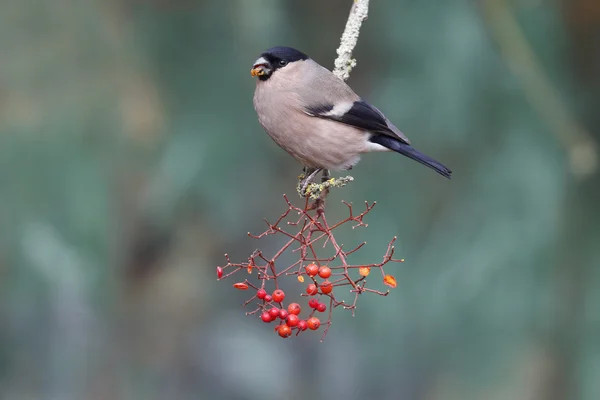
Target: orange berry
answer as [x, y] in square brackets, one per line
[313, 323]
[284, 330]
[326, 287]
[311, 289]
[278, 295]
[312, 269]
[294, 308]
[324, 272]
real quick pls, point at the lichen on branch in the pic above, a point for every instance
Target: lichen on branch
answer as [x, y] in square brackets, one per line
[344, 63]
[316, 191]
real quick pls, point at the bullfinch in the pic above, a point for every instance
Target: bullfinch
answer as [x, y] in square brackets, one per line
[318, 119]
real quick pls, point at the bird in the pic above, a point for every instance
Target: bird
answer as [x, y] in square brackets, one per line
[318, 119]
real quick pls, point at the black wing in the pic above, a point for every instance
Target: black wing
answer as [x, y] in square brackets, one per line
[361, 115]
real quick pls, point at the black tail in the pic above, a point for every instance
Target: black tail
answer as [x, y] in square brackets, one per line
[405, 149]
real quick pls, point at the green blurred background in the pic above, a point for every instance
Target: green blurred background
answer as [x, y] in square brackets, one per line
[131, 160]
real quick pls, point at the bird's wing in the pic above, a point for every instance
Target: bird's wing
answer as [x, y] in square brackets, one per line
[324, 95]
[359, 114]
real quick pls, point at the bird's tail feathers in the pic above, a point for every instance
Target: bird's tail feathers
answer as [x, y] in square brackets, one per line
[412, 153]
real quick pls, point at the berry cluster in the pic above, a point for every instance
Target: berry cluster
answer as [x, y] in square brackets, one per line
[324, 273]
[289, 317]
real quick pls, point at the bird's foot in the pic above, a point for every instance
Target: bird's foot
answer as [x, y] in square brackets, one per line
[319, 190]
[305, 180]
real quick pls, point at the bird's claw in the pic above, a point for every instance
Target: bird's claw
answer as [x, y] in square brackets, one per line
[305, 180]
[306, 188]
[304, 185]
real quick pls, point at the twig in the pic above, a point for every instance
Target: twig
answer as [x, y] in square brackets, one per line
[344, 62]
[306, 235]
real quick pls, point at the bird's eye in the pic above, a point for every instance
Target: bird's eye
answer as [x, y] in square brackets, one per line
[282, 63]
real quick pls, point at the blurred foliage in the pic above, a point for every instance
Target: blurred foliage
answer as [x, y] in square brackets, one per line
[131, 160]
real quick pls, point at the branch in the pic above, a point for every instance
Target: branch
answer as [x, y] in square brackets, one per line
[344, 62]
[315, 191]
[333, 276]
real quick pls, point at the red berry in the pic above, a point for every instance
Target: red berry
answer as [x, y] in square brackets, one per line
[311, 289]
[292, 320]
[219, 272]
[313, 303]
[266, 317]
[284, 330]
[302, 325]
[313, 323]
[312, 269]
[261, 294]
[283, 313]
[268, 298]
[326, 287]
[321, 307]
[294, 308]
[324, 272]
[274, 312]
[278, 296]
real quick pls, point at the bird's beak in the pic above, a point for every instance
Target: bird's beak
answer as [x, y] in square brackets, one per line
[261, 67]
[257, 71]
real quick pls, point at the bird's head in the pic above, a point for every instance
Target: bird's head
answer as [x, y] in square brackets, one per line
[275, 59]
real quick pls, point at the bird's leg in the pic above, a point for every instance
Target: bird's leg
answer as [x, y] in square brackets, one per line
[319, 204]
[312, 172]
[305, 171]
[302, 178]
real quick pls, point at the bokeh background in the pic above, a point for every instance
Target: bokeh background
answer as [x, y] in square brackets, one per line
[131, 161]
